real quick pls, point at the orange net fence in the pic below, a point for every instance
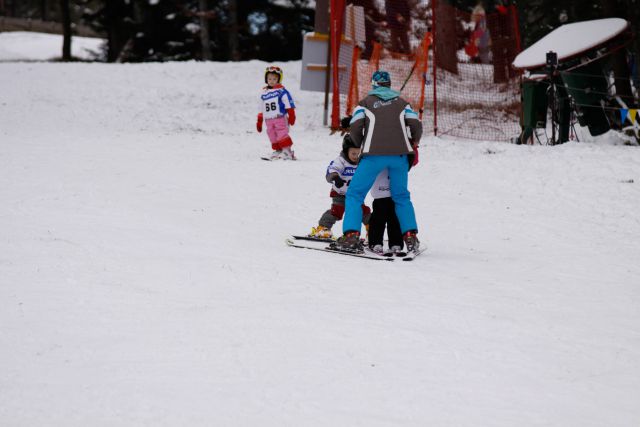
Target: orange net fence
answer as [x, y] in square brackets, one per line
[409, 71]
[454, 67]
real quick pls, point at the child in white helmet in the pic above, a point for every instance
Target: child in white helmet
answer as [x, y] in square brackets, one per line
[277, 110]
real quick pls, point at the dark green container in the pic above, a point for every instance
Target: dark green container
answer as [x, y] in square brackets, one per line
[534, 103]
[588, 87]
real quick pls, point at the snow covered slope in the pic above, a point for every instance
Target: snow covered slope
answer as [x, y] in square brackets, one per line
[29, 46]
[144, 279]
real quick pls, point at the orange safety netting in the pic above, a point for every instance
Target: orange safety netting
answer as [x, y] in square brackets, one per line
[408, 73]
[453, 66]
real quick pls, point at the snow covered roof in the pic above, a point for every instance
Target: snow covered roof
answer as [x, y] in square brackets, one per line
[311, 4]
[570, 40]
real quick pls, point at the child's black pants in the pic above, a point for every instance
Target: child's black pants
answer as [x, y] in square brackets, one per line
[384, 214]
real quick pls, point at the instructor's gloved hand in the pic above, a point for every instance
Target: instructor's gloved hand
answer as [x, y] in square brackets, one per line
[345, 122]
[259, 123]
[339, 182]
[416, 156]
[291, 115]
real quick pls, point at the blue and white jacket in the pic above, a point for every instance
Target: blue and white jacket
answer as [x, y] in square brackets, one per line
[345, 170]
[275, 101]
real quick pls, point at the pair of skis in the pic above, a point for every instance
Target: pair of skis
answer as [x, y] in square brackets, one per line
[273, 159]
[313, 243]
[269, 159]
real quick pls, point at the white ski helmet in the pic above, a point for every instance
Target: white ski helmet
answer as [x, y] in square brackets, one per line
[272, 69]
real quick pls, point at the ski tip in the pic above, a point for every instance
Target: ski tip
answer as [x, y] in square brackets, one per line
[312, 239]
[410, 256]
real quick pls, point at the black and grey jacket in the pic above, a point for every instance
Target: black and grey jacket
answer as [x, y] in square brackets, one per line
[379, 126]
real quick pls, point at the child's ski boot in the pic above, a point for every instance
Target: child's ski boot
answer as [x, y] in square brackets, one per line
[287, 154]
[378, 249]
[321, 232]
[277, 154]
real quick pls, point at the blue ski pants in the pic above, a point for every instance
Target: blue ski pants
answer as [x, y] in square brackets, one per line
[362, 181]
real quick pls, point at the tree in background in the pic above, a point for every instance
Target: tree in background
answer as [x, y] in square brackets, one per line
[163, 30]
[65, 15]
[158, 30]
[273, 32]
[234, 53]
[221, 30]
[47, 16]
[44, 9]
[205, 40]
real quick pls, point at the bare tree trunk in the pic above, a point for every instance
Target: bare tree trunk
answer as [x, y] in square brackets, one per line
[619, 64]
[44, 10]
[205, 40]
[633, 15]
[234, 53]
[66, 30]
[118, 15]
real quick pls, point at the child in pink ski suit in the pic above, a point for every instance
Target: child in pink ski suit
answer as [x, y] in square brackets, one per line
[277, 110]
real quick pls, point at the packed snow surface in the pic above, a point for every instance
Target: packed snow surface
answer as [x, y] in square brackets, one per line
[144, 278]
[29, 46]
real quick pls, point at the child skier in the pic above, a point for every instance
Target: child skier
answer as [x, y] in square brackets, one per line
[277, 110]
[384, 215]
[383, 212]
[339, 173]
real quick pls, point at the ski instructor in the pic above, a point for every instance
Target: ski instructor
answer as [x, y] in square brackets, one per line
[379, 128]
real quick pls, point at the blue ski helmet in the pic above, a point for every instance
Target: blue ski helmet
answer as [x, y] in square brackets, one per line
[381, 78]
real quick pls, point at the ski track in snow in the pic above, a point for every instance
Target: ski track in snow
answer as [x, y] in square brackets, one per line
[144, 279]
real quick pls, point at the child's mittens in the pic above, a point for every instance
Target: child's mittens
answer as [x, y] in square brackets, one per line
[291, 114]
[259, 123]
[339, 182]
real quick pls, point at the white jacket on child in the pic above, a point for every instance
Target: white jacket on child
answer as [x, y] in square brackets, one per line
[381, 187]
[345, 170]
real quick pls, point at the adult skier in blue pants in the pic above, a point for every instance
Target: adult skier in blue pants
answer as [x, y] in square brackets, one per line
[379, 127]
